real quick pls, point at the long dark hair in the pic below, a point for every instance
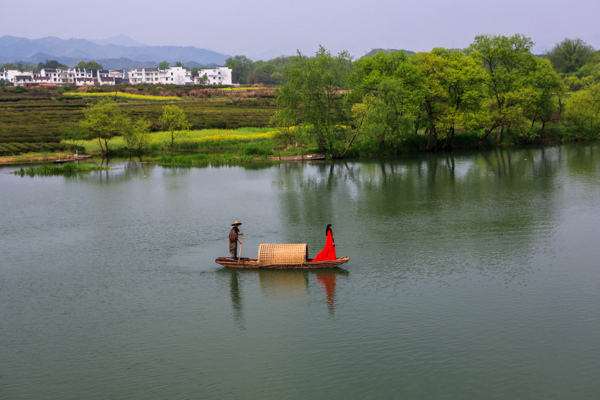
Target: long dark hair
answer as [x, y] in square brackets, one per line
[328, 229]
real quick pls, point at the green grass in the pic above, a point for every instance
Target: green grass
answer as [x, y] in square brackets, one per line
[66, 169]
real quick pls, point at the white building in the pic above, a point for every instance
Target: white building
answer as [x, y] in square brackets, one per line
[9, 74]
[24, 79]
[144, 75]
[82, 73]
[86, 81]
[216, 76]
[153, 76]
[176, 76]
[116, 73]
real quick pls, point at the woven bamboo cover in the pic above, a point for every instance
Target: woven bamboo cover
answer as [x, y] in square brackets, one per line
[282, 254]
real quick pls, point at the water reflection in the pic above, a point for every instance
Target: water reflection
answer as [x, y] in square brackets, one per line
[281, 285]
[483, 212]
[236, 299]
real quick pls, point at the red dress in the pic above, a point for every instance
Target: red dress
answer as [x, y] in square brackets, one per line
[328, 253]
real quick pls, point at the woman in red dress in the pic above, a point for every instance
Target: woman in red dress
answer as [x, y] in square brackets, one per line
[328, 253]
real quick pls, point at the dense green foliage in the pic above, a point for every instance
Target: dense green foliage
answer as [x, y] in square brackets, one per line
[494, 91]
[90, 66]
[246, 71]
[53, 64]
[311, 101]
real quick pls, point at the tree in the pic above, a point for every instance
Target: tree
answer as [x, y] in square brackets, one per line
[163, 65]
[73, 133]
[241, 66]
[174, 121]
[94, 66]
[461, 80]
[544, 92]
[180, 64]
[311, 98]
[507, 63]
[138, 137]
[52, 64]
[11, 66]
[91, 66]
[103, 121]
[583, 110]
[570, 55]
[203, 80]
[387, 91]
[591, 67]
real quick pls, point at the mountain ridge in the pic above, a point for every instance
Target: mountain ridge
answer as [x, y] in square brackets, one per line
[14, 49]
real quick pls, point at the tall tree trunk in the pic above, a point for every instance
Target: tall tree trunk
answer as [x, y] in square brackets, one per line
[432, 141]
[356, 132]
[449, 139]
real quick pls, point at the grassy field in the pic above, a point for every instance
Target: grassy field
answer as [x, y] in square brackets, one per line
[204, 140]
[31, 118]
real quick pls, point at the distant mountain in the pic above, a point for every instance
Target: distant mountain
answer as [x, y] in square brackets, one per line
[21, 49]
[120, 40]
[387, 51]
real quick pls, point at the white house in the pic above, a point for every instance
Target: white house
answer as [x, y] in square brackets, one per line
[24, 79]
[116, 73]
[175, 76]
[144, 75]
[85, 82]
[82, 73]
[216, 76]
[106, 80]
[9, 74]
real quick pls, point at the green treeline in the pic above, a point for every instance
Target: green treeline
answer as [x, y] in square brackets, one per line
[494, 91]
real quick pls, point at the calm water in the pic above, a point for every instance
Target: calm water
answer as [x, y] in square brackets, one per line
[471, 276]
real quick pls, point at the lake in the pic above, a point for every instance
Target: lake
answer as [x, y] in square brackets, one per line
[472, 275]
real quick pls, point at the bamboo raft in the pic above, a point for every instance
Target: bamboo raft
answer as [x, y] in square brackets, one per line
[280, 256]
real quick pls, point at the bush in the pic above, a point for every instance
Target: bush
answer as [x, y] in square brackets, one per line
[256, 151]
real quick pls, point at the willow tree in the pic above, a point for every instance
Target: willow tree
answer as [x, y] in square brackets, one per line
[311, 99]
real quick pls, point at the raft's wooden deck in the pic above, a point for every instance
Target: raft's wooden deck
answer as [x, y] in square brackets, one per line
[253, 263]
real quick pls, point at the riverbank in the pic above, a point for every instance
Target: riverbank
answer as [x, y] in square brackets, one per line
[216, 147]
[34, 158]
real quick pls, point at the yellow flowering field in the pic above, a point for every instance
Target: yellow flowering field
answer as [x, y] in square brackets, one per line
[193, 139]
[236, 89]
[122, 95]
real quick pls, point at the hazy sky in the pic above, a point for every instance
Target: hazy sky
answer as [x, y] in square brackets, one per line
[254, 28]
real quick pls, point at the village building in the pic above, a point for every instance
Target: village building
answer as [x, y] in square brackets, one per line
[83, 77]
[216, 76]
